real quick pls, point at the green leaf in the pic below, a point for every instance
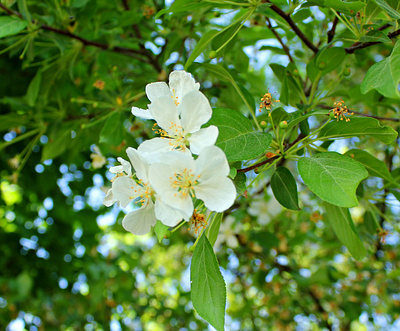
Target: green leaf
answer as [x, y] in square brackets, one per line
[357, 127]
[384, 76]
[396, 194]
[284, 188]
[284, 95]
[161, 230]
[347, 8]
[237, 137]
[375, 36]
[333, 177]
[200, 47]
[59, 140]
[113, 129]
[33, 89]
[208, 290]
[374, 166]
[389, 10]
[370, 222]
[297, 120]
[179, 6]
[10, 26]
[342, 224]
[79, 3]
[332, 57]
[213, 229]
[240, 183]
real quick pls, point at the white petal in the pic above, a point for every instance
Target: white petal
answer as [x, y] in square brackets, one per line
[232, 241]
[169, 216]
[203, 138]
[126, 166]
[157, 90]
[164, 112]
[195, 110]
[153, 150]
[181, 83]
[140, 221]
[218, 193]
[161, 176]
[212, 162]
[142, 113]
[139, 164]
[109, 199]
[125, 190]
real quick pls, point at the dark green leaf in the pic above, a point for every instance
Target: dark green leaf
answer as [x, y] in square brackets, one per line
[33, 89]
[347, 8]
[201, 46]
[388, 9]
[358, 127]
[208, 290]
[284, 188]
[341, 222]
[375, 36]
[240, 183]
[113, 129]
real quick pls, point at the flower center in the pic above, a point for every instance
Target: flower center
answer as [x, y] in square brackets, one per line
[184, 182]
[176, 134]
[142, 193]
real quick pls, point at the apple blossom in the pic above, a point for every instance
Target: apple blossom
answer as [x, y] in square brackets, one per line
[178, 178]
[180, 84]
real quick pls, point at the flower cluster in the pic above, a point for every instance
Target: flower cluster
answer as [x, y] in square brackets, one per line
[172, 172]
[340, 111]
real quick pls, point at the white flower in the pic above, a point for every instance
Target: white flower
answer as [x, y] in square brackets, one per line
[126, 190]
[227, 232]
[179, 178]
[180, 126]
[265, 210]
[180, 84]
[98, 160]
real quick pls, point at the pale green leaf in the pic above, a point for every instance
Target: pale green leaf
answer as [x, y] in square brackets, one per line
[389, 10]
[213, 229]
[237, 137]
[347, 8]
[375, 36]
[208, 290]
[342, 224]
[384, 76]
[374, 166]
[358, 127]
[333, 177]
[240, 183]
[161, 230]
[10, 26]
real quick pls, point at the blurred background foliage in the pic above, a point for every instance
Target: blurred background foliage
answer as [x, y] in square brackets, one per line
[69, 78]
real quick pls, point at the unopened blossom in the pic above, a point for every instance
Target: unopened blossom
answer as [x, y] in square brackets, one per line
[127, 188]
[180, 84]
[227, 232]
[264, 210]
[98, 160]
[180, 126]
[179, 178]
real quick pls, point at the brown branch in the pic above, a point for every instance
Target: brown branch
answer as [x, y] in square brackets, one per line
[332, 31]
[356, 46]
[10, 11]
[293, 25]
[285, 48]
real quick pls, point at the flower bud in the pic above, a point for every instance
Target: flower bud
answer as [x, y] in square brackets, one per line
[346, 72]
[213, 55]
[263, 124]
[283, 124]
[321, 65]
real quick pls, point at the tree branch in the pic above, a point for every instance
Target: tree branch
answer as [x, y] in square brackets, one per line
[285, 48]
[293, 25]
[332, 31]
[356, 46]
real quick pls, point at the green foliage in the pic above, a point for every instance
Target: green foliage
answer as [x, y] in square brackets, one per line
[237, 137]
[333, 177]
[71, 72]
[207, 284]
